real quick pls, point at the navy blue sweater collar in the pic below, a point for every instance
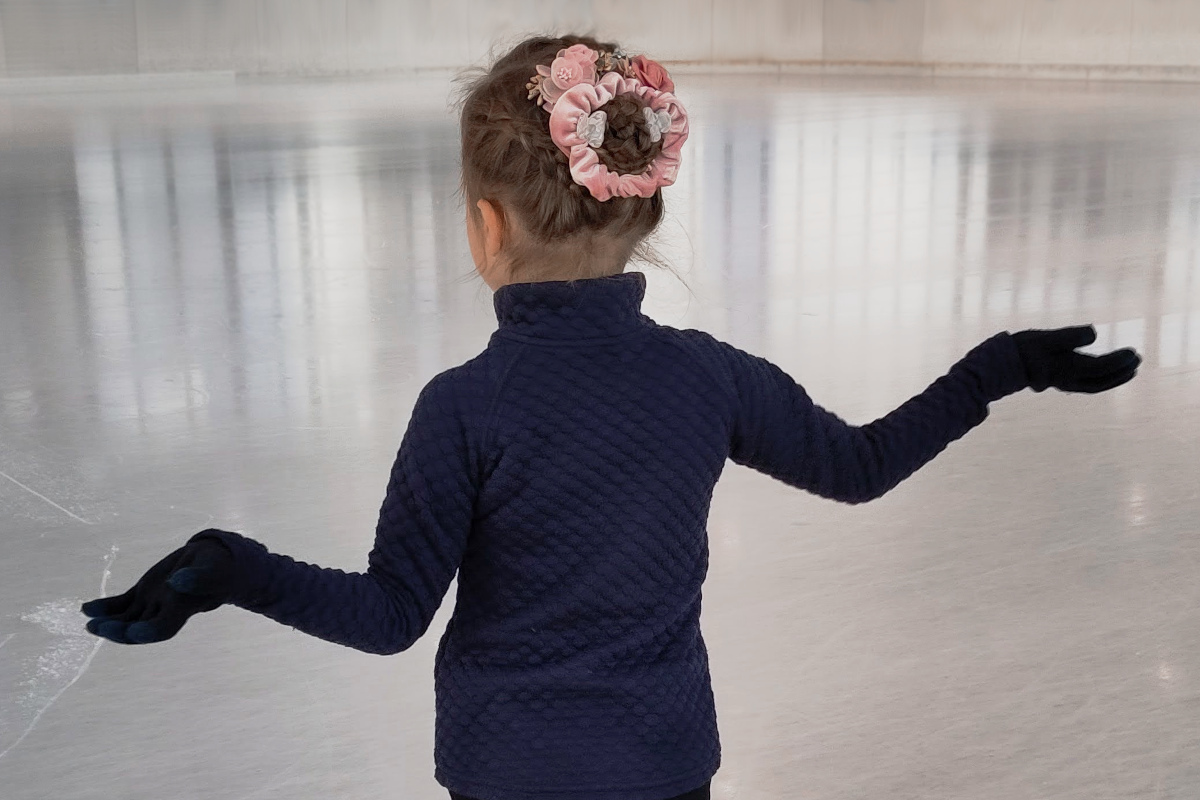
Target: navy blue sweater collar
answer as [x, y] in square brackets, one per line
[595, 308]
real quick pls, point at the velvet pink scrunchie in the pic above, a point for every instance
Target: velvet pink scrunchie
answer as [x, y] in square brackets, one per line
[583, 99]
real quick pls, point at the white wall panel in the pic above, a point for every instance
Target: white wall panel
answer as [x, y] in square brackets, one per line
[874, 30]
[69, 37]
[376, 35]
[302, 36]
[89, 37]
[437, 33]
[669, 30]
[174, 36]
[418, 34]
[495, 25]
[769, 30]
[971, 31]
[1166, 32]
[1076, 32]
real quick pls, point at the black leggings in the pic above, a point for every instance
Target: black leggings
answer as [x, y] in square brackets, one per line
[695, 794]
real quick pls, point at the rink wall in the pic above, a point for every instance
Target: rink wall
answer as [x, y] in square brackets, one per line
[1150, 39]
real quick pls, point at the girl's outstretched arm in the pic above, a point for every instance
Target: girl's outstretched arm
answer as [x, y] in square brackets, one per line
[778, 430]
[419, 542]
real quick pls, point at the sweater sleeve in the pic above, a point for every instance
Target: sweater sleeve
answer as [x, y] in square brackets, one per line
[419, 542]
[778, 430]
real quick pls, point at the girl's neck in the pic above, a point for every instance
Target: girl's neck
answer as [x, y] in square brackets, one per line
[557, 273]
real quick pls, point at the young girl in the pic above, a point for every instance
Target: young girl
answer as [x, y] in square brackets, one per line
[565, 473]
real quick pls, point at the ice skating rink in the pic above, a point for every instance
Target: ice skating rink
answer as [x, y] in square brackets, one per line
[218, 303]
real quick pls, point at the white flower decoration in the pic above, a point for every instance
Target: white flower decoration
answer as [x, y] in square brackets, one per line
[659, 122]
[591, 128]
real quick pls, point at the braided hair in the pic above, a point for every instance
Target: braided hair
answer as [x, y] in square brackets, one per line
[627, 148]
[509, 158]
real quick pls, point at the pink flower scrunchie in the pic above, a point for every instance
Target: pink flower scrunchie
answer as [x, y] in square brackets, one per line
[584, 98]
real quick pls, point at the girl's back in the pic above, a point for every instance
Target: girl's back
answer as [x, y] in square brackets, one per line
[576, 631]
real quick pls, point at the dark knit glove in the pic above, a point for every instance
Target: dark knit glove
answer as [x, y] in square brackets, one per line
[1051, 361]
[197, 577]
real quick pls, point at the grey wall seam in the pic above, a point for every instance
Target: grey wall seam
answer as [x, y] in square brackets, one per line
[1021, 33]
[1129, 44]
[137, 36]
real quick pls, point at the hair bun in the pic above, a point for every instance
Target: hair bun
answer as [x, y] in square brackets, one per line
[510, 157]
[628, 147]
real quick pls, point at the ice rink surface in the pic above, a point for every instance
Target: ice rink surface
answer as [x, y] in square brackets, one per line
[218, 303]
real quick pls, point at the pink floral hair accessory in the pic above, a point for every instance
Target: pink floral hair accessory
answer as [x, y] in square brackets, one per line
[572, 127]
[651, 73]
[573, 65]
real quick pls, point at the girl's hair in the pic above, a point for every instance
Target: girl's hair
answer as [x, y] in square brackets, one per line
[509, 158]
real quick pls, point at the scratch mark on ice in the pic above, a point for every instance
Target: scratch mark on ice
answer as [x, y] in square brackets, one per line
[108, 562]
[43, 497]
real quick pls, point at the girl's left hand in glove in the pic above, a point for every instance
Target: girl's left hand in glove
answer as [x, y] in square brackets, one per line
[195, 578]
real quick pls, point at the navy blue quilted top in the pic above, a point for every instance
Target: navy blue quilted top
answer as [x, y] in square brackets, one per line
[565, 474]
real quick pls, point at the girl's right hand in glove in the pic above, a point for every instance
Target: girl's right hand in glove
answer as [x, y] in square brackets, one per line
[1051, 361]
[197, 577]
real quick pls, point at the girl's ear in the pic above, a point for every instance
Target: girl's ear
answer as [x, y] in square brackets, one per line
[492, 226]
[487, 234]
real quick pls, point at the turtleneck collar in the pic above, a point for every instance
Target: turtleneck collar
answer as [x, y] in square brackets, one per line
[594, 308]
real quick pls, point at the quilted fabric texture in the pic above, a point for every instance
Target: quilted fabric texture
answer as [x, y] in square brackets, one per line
[566, 475]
